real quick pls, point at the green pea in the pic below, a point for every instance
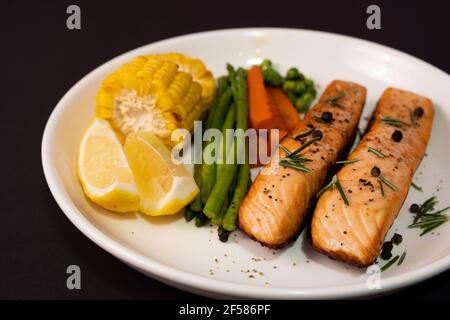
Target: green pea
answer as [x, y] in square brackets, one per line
[299, 88]
[273, 78]
[303, 103]
[289, 86]
[266, 64]
[293, 74]
[292, 97]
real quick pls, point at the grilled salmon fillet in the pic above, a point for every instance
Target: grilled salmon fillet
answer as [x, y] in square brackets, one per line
[399, 129]
[279, 198]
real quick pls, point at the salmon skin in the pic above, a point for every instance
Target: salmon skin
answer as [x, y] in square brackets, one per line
[355, 233]
[279, 198]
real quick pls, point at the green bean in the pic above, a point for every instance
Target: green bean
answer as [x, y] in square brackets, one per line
[208, 177]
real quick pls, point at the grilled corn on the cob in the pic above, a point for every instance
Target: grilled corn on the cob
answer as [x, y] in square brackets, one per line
[156, 93]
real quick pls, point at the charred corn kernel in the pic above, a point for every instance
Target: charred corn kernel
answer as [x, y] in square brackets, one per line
[197, 69]
[155, 93]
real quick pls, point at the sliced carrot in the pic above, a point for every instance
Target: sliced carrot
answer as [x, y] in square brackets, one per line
[263, 112]
[285, 108]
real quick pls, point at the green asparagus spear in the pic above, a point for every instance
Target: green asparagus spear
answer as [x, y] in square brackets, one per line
[229, 220]
[189, 214]
[200, 219]
[222, 83]
[196, 204]
[208, 176]
[226, 170]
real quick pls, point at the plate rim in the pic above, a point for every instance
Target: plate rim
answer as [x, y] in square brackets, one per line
[197, 283]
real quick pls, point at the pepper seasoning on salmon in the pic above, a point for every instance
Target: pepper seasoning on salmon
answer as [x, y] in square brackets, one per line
[377, 184]
[279, 198]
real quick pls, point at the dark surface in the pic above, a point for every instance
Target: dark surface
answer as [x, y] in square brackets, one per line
[43, 60]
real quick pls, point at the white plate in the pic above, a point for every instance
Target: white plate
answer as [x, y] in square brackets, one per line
[179, 254]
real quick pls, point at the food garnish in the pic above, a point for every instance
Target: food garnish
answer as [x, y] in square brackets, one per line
[425, 219]
[394, 122]
[415, 186]
[334, 101]
[165, 187]
[349, 161]
[304, 134]
[103, 169]
[378, 153]
[390, 263]
[403, 256]
[397, 136]
[334, 183]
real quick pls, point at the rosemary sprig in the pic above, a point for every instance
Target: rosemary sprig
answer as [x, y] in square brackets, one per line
[293, 160]
[347, 161]
[415, 186]
[428, 205]
[376, 152]
[426, 220]
[390, 263]
[394, 122]
[334, 100]
[334, 183]
[317, 118]
[381, 188]
[304, 134]
[389, 184]
[413, 119]
[357, 139]
[302, 147]
[402, 258]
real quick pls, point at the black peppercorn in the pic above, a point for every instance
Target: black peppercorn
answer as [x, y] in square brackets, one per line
[414, 208]
[397, 239]
[418, 112]
[317, 134]
[327, 116]
[375, 172]
[386, 251]
[397, 136]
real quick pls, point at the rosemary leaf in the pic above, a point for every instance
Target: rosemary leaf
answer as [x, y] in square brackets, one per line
[305, 145]
[347, 161]
[334, 100]
[402, 258]
[344, 197]
[376, 152]
[387, 183]
[415, 186]
[394, 122]
[304, 134]
[390, 263]
[381, 188]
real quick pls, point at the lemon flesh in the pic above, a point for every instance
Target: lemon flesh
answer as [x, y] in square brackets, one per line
[165, 187]
[103, 169]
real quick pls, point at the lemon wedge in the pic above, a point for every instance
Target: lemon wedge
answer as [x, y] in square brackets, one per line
[165, 187]
[103, 169]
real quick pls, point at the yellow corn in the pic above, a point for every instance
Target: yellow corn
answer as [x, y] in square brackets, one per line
[156, 93]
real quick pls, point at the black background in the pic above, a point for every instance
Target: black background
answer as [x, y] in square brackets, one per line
[41, 59]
